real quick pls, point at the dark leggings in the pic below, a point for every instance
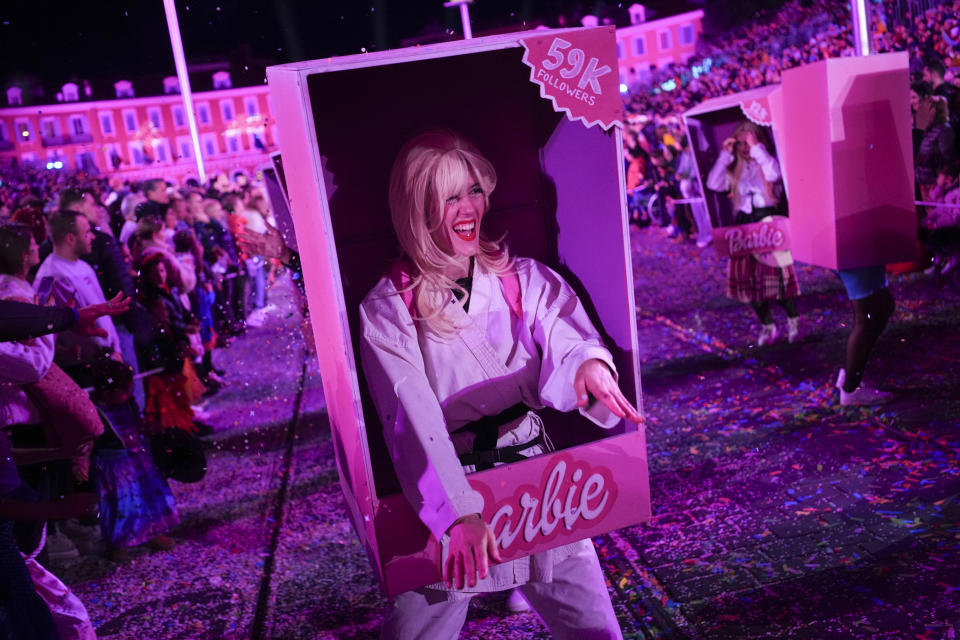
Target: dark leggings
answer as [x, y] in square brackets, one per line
[763, 309]
[870, 316]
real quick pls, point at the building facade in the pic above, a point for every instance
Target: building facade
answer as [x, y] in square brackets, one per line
[139, 138]
[657, 43]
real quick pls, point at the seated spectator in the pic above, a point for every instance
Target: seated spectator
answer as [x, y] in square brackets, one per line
[69, 277]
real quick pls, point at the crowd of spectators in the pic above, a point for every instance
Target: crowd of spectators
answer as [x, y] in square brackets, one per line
[657, 156]
[156, 280]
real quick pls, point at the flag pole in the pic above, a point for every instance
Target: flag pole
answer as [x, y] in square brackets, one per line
[176, 42]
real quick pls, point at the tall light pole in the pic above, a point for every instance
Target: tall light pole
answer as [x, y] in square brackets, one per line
[173, 25]
[860, 13]
[464, 15]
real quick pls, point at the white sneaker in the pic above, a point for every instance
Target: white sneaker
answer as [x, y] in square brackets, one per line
[793, 330]
[516, 603]
[841, 379]
[703, 244]
[768, 333]
[864, 395]
[255, 319]
[199, 413]
[950, 266]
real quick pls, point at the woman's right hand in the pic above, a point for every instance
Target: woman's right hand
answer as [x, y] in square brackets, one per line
[472, 547]
[729, 144]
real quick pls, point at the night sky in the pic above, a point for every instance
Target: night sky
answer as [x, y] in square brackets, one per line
[108, 40]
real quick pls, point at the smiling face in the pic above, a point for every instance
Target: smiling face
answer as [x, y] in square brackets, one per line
[459, 232]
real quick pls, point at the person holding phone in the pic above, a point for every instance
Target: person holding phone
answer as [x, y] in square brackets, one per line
[751, 175]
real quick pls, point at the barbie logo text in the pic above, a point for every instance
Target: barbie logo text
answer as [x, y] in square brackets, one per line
[763, 238]
[566, 500]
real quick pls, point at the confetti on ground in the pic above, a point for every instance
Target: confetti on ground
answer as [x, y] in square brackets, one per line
[776, 513]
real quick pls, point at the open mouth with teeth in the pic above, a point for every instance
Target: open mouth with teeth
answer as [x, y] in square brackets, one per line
[466, 229]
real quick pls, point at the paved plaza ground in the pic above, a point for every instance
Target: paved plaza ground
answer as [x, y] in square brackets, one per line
[777, 513]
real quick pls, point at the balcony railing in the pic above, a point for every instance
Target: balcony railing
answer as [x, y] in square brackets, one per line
[53, 141]
[58, 140]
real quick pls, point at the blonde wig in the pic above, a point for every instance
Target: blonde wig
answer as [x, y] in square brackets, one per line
[735, 169]
[430, 168]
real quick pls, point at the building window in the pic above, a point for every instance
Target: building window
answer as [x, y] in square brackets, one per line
[233, 143]
[4, 137]
[221, 80]
[111, 153]
[620, 55]
[106, 123]
[185, 147]
[71, 92]
[687, 34]
[153, 113]
[209, 143]
[14, 96]
[86, 161]
[226, 110]
[124, 89]
[161, 152]
[251, 106]
[136, 152]
[640, 46]
[257, 139]
[203, 113]
[178, 117]
[666, 40]
[23, 130]
[78, 126]
[49, 128]
[171, 84]
[130, 120]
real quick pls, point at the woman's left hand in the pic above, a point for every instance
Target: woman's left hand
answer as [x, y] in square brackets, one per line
[595, 378]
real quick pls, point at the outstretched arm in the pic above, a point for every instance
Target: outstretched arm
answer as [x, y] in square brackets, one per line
[594, 378]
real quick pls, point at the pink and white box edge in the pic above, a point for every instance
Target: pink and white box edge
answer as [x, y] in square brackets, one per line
[575, 175]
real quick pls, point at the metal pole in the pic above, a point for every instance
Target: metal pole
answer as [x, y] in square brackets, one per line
[464, 15]
[860, 14]
[176, 42]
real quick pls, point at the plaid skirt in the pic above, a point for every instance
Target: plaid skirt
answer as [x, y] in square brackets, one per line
[749, 280]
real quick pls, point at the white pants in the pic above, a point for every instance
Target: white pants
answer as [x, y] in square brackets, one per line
[701, 217]
[575, 606]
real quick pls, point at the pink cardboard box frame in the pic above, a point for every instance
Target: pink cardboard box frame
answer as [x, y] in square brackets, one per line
[842, 133]
[560, 198]
[712, 121]
[849, 159]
